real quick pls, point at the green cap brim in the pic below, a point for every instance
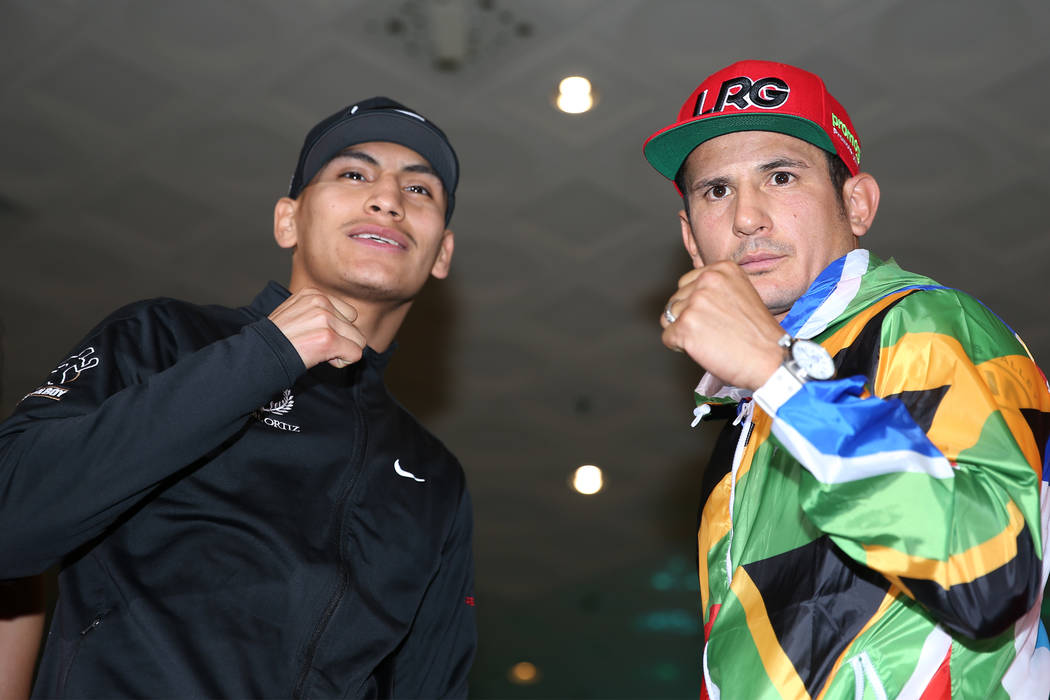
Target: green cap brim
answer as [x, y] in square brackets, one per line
[668, 150]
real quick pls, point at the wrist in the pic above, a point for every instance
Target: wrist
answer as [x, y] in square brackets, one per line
[806, 360]
[780, 387]
[771, 361]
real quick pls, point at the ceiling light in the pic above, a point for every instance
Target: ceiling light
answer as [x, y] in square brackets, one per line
[587, 479]
[523, 673]
[449, 32]
[574, 95]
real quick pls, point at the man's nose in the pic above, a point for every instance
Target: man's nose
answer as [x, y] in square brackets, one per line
[385, 198]
[751, 215]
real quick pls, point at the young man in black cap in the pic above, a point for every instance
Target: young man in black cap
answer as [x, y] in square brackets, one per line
[238, 506]
[871, 522]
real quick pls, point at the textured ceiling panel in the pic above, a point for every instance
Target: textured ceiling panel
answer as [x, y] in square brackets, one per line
[931, 36]
[106, 91]
[578, 214]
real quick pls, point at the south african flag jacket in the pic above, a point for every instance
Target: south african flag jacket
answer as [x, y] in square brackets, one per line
[880, 535]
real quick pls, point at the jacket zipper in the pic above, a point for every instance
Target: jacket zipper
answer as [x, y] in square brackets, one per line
[743, 415]
[76, 649]
[745, 412]
[344, 569]
[865, 676]
[315, 639]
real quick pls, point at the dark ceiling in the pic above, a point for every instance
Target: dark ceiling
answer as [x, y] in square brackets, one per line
[142, 145]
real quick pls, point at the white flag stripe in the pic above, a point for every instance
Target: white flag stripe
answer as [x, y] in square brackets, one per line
[849, 284]
[931, 656]
[833, 469]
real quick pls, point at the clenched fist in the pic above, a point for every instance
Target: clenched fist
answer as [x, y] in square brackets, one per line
[723, 325]
[321, 328]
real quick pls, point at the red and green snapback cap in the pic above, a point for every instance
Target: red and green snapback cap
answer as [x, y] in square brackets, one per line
[756, 96]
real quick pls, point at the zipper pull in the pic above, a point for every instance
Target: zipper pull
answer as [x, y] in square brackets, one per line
[744, 410]
[94, 623]
[698, 414]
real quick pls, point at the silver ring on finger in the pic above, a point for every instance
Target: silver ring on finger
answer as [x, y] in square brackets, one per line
[669, 315]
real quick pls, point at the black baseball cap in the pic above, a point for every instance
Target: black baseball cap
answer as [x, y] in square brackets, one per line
[377, 119]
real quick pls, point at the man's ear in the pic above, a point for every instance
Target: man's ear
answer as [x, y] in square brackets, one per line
[284, 222]
[861, 196]
[689, 241]
[444, 256]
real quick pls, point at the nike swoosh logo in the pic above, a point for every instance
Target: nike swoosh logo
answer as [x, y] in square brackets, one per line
[401, 472]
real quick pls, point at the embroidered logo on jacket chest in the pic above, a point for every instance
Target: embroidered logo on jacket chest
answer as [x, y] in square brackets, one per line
[279, 407]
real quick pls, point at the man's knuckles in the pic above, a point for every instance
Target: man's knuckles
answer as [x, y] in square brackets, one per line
[689, 277]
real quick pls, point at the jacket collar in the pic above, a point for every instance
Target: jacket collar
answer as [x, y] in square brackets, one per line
[274, 294]
[829, 295]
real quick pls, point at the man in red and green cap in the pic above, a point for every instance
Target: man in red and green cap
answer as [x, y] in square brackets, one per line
[871, 522]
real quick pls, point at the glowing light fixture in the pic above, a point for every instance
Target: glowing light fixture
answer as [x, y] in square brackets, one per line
[574, 95]
[587, 480]
[523, 673]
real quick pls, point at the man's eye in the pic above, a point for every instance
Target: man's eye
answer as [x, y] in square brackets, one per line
[352, 175]
[782, 178]
[718, 191]
[418, 189]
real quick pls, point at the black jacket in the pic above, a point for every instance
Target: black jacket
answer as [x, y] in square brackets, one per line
[231, 525]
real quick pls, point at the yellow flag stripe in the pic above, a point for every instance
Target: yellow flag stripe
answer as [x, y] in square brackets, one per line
[845, 336]
[778, 666]
[1007, 384]
[714, 519]
[906, 366]
[1016, 383]
[714, 525]
[960, 568]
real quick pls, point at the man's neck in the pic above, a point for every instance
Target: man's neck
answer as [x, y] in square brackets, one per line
[378, 321]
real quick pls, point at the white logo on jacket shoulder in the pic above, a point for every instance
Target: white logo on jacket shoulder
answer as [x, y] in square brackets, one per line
[401, 472]
[70, 368]
[48, 391]
[279, 407]
[68, 371]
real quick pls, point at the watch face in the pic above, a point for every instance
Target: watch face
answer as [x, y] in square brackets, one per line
[813, 359]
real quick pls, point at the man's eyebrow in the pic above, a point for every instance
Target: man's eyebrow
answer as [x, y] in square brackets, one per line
[356, 155]
[783, 163]
[721, 180]
[708, 183]
[422, 168]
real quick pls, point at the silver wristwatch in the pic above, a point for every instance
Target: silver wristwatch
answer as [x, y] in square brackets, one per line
[806, 360]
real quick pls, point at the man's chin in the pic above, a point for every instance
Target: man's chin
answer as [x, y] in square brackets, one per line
[778, 301]
[377, 291]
